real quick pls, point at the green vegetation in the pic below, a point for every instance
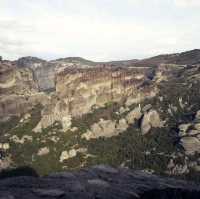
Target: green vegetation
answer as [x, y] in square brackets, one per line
[21, 171]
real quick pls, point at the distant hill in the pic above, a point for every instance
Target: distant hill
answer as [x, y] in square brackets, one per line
[184, 58]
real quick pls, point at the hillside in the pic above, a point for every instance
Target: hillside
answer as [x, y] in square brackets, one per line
[71, 113]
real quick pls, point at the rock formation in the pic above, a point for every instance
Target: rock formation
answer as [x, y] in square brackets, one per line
[74, 113]
[98, 182]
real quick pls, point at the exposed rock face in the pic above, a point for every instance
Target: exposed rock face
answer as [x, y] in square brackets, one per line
[44, 72]
[83, 89]
[98, 182]
[65, 155]
[189, 134]
[150, 119]
[19, 91]
[79, 90]
[134, 115]
[104, 128]
[43, 151]
[14, 80]
[190, 144]
[24, 138]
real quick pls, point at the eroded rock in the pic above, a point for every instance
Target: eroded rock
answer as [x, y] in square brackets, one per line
[43, 151]
[133, 115]
[104, 128]
[149, 120]
[190, 144]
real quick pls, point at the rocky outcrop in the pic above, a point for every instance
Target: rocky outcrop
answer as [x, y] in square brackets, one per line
[108, 128]
[101, 182]
[189, 134]
[43, 151]
[133, 115]
[191, 145]
[65, 155]
[19, 91]
[78, 91]
[44, 72]
[104, 128]
[149, 120]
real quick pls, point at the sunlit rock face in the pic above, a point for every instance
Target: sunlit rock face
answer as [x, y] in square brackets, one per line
[80, 91]
[84, 89]
[16, 81]
[15, 87]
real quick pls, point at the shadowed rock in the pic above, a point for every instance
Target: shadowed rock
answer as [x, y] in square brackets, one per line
[101, 182]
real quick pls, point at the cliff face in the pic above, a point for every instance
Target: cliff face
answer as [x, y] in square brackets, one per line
[80, 91]
[14, 80]
[43, 72]
[84, 89]
[15, 86]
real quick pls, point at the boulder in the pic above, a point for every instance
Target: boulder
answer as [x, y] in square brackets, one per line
[68, 154]
[183, 128]
[149, 120]
[4, 146]
[65, 155]
[43, 151]
[197, 117]
[66, 122]
[104, 128]
[133, 115]
[197, 126]
[147, 107]
[190, 145]
[122, 125]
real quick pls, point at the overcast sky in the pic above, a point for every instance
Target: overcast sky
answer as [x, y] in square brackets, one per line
[98, 29]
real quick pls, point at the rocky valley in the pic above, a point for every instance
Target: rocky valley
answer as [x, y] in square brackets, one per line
[72, 113]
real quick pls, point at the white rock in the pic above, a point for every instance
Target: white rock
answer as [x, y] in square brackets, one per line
[183, 128]
[133, 115]
[66, 122]
[43, 151]
[104, 128]
[38, 128]
[197, 126]
[197, 117]
[4, 146]
[68, 154]
[122, 125]
[150, 119]
[16, 139]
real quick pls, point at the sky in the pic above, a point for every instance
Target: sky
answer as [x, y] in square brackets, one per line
[100, 30]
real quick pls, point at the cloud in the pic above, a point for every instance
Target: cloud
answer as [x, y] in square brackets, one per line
[56, 28]
[187, 3]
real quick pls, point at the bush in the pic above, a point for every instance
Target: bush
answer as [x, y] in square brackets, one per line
[16, 172]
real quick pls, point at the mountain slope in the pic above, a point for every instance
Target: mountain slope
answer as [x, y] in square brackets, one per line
[138, 117]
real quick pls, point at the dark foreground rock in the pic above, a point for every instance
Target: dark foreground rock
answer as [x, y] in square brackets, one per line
[96, 183]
